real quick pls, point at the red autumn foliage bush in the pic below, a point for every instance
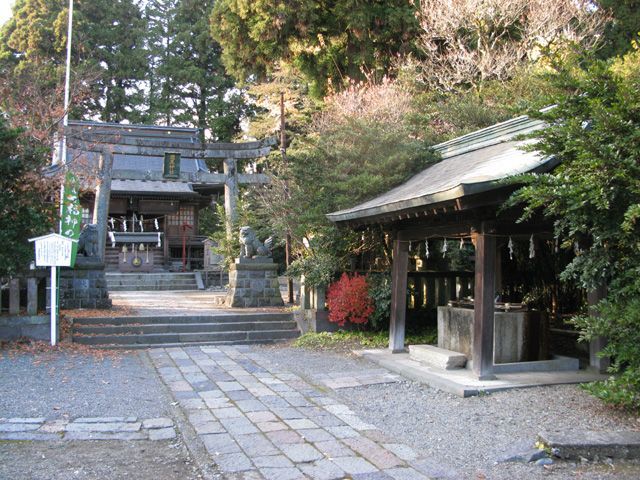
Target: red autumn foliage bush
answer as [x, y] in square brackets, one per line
[348, 300]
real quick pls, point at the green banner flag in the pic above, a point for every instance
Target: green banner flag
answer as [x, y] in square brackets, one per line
[71, 212]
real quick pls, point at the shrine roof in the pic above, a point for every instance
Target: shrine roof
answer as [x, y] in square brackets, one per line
[471, 164]
[151, 187]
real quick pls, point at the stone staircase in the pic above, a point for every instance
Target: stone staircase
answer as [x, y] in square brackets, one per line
[173, 330]
[130, 282]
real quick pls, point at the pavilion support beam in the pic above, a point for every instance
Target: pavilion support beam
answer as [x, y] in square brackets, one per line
[398, 295]
[230, 194]
[483, 311]
[101, 205]
[597, 344]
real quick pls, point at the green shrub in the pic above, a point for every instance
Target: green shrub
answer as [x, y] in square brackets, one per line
[380, 294]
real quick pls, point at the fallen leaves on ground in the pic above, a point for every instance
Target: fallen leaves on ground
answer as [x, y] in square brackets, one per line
[43, 352]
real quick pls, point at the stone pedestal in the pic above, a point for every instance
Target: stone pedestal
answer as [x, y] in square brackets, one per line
[254, 283]
[84, 286]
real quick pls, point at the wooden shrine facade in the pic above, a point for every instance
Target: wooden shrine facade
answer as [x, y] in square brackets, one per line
[151, 184]
[461, 197]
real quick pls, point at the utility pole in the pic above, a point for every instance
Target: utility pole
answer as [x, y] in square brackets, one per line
[283, 151]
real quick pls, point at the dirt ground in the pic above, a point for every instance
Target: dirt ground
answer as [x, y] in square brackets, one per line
[96, 460]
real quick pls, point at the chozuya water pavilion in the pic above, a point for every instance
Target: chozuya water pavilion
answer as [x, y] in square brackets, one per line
[461, 198]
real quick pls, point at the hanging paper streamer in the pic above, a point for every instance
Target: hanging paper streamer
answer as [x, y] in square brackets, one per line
[461, 243]
[124, 224]
[141, 226]
[155, 224]
[576, 248]
[112, 222]
[444, 248]
[532, 248]
[510, 247]
[426, 248]
[124, 254]
[112, 237]
[159, 243]
[409, 246]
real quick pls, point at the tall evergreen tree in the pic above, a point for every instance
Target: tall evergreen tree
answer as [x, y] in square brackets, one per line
[107, 49]
[329, 42]
[189, 84]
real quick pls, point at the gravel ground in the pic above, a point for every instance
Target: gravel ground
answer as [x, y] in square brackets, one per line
[466, 438]
[87, 460]
[60, 384]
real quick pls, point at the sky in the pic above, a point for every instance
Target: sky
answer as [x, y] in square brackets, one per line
[5, 10]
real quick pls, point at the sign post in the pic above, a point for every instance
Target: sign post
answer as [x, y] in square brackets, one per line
[54, 251]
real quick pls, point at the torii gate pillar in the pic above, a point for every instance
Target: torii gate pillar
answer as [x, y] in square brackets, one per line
[230, 194]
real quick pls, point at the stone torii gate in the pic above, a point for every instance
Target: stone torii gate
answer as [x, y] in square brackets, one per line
[110, 140]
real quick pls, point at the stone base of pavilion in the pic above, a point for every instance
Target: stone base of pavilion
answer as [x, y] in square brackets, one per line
[464, 383]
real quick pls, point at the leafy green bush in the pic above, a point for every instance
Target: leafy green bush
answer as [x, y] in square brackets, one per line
[380, 294]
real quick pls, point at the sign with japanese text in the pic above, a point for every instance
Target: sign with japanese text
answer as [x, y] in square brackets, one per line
[71, 212]
[53, 250]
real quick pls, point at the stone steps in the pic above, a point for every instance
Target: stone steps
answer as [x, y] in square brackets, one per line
[140, 332]
[151, 281]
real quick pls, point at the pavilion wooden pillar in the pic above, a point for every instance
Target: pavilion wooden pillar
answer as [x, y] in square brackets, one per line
[398, 295]
[101, 203]
[483, 311]
[230, 194]
[597, 344]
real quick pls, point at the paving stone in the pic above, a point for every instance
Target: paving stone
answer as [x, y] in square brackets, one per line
[342, 432]
[354, 465]
[250, 405]
[29, 436]
[18, 427]
[406, 473]
[200, 416]
[271, 426]
[272, 461]
[287, 413]
[311, 411]
[238, 426]
[355, 422]
[329, 421]
[161, 422]
[373, 452]
[316, 435]
[162, 433]
[261, 416]
[339, 409]
[25, 420]
[273, 401]
[104, 427]
[284, 437]
[217, 403]
[180, 386]
[106, 436]
[300, 452]
[301, 423]
[229, 386]
[376, 435]
[229, 412]
[371, 476]
[177, 353]
[192, 403]
[323, 470]
[282, 473]
[281, 388]
[233, 462]
[54, 426]
[103, 419]
[237, 395]
[256, 444]
[185, 395]
[214, 393]
[220, 443]
[190, 369]
[209, 427]
[401, 451]
[334, 448]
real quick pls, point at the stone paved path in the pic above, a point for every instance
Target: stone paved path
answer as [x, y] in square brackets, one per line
[259, 421]
[87, 428]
